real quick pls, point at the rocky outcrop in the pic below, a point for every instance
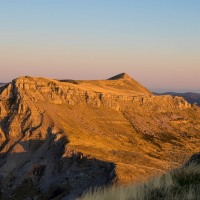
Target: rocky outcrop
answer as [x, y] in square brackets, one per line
[30, 89]
[194, 159]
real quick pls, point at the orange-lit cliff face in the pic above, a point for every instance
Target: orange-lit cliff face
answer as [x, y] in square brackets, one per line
[77, 134]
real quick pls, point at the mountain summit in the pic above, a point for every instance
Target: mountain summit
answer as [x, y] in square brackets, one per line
[120, 76]
[58, 136]
[124, 81]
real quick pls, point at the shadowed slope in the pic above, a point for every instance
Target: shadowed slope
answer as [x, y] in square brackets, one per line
[40, 168]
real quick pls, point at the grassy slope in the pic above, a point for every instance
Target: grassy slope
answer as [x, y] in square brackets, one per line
[179, 184]
[119, 137]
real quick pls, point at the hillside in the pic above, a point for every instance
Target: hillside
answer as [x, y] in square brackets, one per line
[191, 97]
[178, 184]
[58, 138]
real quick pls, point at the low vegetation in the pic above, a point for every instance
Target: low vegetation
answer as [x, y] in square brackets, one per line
[179, 184]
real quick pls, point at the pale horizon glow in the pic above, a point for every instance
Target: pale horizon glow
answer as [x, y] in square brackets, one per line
[156, 42]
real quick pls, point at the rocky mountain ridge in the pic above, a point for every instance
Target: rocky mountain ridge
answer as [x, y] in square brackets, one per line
[191, 97]
[62, 135]
[37, 89]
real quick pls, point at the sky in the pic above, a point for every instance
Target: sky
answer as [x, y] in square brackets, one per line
[157, 42]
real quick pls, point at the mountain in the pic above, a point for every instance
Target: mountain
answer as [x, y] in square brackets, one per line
[59, 138]
[191, 97]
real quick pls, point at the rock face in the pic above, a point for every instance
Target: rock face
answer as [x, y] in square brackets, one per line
[191, 97]
[57, 136]
[194, 159]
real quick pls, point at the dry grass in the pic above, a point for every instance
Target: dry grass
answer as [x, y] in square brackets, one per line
[179, 184]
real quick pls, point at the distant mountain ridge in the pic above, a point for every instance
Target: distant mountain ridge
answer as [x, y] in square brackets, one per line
[191, 97]
[1, 84]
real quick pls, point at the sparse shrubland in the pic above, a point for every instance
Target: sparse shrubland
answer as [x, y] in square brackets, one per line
[182, 183]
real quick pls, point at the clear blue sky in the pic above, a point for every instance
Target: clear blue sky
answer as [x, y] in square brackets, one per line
[155, 41]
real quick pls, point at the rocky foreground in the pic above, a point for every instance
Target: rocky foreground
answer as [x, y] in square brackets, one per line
[59, 138]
